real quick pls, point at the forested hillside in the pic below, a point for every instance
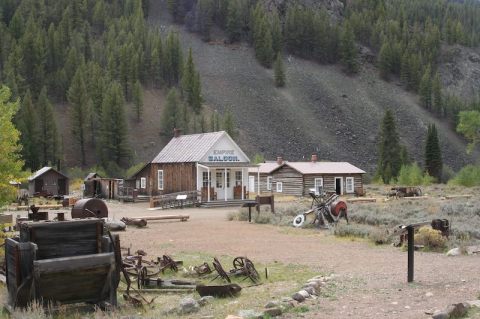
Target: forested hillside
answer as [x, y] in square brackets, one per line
[104, 82]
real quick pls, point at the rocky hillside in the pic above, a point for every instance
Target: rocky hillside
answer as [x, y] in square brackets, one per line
[321, 110]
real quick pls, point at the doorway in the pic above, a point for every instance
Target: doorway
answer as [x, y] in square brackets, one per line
[251, 184]
[339, 185]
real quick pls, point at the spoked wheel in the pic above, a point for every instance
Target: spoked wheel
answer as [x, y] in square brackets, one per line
[299, 220]
[168, 262]
[250, 271]
[239, 262]
[221, 272]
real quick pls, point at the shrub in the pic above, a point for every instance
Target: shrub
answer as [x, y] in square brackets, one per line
[379, 236]
[412, 175]
[432, 239]
[352, 230]
[468, 176]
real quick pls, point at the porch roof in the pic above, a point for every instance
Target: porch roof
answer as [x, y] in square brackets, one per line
[226, 164]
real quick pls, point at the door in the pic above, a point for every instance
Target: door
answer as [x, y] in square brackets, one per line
[251, 184]
[339, 185]
[62, 186]
[219, 184]
[38, 185]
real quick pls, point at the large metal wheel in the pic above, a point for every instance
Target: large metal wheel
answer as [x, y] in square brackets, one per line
[250, 271]
[221, 272]
[299, 220]
[239, 262]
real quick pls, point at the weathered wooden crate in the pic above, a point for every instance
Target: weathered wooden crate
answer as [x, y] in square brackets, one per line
[67, 262]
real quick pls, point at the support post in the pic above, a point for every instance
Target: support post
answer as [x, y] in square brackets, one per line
[410, 236]
[225, 184]
[209, 184]
[258, 181]
[241, 185]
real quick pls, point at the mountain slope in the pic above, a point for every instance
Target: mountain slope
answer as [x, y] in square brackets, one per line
[321, 110]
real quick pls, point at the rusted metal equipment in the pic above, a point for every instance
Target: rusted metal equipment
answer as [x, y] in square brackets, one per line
[242, 266]
[90, 207]
[36, 215]
[442, 225]
[182, 218]
[139, 222]
[229, 290]
[327, 209]
[400, 192]
[202, 269]
[66, 262]
[220, 271]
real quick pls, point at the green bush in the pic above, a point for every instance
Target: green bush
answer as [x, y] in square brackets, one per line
[469, 176]
[432, 239]
[412, 175]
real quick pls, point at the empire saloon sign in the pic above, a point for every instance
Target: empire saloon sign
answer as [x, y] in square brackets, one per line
[223, 156]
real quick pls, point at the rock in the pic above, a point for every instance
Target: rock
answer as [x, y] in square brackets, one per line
[454, 252]
[311, 290]
[429, 294]
[440, 314]
[472, 250]
[314, 284]
[205, 300]
[188, 305]
[272, 304]
[272, 312]
[115, 225]
[250, 314]
[474, 303]
[298, 297]
[286, 305]
[457, 310]
[233, 317]
[286, 299]
[304, 293]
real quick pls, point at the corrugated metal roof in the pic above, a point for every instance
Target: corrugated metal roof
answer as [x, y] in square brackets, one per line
[265, 168]
[42, 171]
[325, 168]
[188, 148]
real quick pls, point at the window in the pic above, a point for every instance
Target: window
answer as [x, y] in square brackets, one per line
[228, 179]
[219, 179]
[160, 180]
[269, 183]
[137, 184]
[279, 187]
[143, 182]
[318, 185]
[205, 179]
[349, 184]
[238, 178]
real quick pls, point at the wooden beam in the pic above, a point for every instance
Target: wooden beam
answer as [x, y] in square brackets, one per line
[456, 196]
[164, 217]
[75, 263]
[361, 200]
[55, 206]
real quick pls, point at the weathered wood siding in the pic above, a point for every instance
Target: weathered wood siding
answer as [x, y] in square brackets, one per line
[329, 182]
[51, 184]
[177, 177]
[145, 172]
[292, 181]
[263, 182]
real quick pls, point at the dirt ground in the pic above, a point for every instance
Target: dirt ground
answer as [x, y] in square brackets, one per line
[371, 280]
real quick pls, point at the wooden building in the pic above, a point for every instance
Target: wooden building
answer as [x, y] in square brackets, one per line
[99, 187]
[297, 178]
[48, 181]
[210, 163]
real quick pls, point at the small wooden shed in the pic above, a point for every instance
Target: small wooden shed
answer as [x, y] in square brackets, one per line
[97, 186]
[48, 181]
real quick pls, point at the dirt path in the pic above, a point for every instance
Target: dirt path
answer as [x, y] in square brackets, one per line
[371, 280]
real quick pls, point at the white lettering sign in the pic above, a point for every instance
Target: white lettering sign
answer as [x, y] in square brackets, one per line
[223, 156]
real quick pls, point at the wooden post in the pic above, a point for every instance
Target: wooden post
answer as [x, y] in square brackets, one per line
[243, 193]
[209, 184]
[410, 237]
[225, 184]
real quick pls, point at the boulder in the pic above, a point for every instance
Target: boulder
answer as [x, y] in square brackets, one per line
[454, 252]
[272, 312]
[250, 314]
[440, 314]
[188, 305]
[457, 310]
[272, 304]
[311, 291]
[115, 225]
[205, 300]
[474, 303]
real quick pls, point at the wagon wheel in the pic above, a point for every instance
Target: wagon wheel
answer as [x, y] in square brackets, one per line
[168, 262]
[239, 262]
[250, 271]
[418, 191]
[221, 272]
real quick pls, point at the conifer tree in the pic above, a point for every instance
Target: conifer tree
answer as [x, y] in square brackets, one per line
[197, 99]
[389, 161]
[234, 24]
[79, 102]
[433, 153]
[425, 89]
[276, 30]
[27, 123]
[48, 138]
[229, 124]
[348, 49]
[263, 43]
[188, 78]
[114, 146]
[138, 100]
[173, 60]
[437, 94]
[279, 71]
[171, 117]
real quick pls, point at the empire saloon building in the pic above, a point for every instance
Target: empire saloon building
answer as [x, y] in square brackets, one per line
[211, 163]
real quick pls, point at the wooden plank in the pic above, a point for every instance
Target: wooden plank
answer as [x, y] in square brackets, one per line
[74, 263]
[415, 197]
[6, 219]
[53, 206]
[165, 217]
[361, 200]
[456, 196]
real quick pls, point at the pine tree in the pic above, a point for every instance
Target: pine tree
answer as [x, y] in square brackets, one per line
[48, 138]
[27, 123]
[115, 149]
[229, 124]
[404, 157]
[437, 94]
[263, 44]
[171, 117]
[348, 49]
[188, 79]
[197, 99]
[433, 153]
[279, 71]
[79, 102]
[385, 60]
[389, 161]
[234, 24]
[277, 37]
[173, 60]
[138, 100]
[425, 89]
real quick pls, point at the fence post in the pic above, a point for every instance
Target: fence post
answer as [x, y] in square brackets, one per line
[411, 247]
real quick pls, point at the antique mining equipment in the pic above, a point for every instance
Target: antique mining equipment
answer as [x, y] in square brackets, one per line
[90, 207]
[65, 261]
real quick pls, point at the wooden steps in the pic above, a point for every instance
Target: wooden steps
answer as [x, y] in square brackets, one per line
[223, 203]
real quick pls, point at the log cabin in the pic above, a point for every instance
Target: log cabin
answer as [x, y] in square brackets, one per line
[297, 178]
[210, 163]
[48, 181]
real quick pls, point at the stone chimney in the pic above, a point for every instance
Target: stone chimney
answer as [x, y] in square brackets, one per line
[177, 132]
[314, 158]
[279, 160]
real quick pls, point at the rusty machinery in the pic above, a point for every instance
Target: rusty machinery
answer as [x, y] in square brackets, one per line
[400, 192]
[327, 209]
[90, 207]
[242, 266]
